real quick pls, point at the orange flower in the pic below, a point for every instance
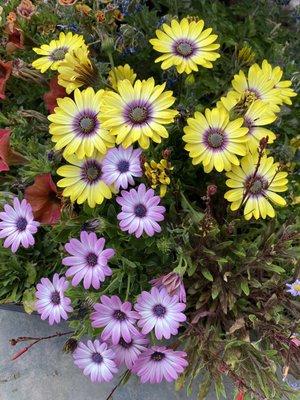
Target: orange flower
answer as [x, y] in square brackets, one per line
[118, 15]
[26, 9]
[55, 92]
[7, 155]
[100, 16]
[83, 8]
[44, 199]
[11, 20]
[67, 2]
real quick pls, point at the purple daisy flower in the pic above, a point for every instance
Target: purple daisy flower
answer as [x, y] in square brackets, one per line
[159, 363]
[96, 360]
[118, 319]
[294, 288]
[51, 302]
[120, 166]
[161, 312]
[17, 225]
[128, 353]
[88, 260]
[140, 211]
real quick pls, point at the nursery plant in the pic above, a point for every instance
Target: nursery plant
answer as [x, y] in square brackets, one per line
[149, 158]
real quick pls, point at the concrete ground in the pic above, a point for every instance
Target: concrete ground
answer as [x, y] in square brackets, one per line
[46, 373]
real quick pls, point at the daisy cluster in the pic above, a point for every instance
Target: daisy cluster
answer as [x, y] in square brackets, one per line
[104, 136]
[124, 326]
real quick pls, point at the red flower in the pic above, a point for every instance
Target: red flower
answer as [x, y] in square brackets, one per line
[5, 72]
[240, 395]
[44, 199]
[15, 40]
[55, 92]
[7, 155]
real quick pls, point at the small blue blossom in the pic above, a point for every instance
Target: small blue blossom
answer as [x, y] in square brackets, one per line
[294, 288]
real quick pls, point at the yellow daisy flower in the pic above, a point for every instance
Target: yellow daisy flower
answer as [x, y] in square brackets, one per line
[275, 74]
[138, 112]
[214, 140]
[255, 190]
[76, 124]
[77, 70]
[185, 45]
[82, 180]
[54, 52]
[120, 73]
[256, 86]
[258, 115]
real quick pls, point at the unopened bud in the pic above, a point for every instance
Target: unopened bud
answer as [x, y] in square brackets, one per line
[107, 45]
[211, 190]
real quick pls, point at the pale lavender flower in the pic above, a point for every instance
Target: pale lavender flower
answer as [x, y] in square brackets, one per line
[173, 284]
[294, 288]
[161, 312]
[120, 166]
[51, 302]
[140, 211]
[96, 360]
[88, 260]
[118, 319]
[159, 363]
[17, 225]
[128, 353]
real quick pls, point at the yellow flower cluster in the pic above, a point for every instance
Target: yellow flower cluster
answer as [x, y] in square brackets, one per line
[157, 174]
[133, 111]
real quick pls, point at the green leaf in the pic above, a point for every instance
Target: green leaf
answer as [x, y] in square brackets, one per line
[28, 300]
[31, 273]
[245, 287]
[205, 272]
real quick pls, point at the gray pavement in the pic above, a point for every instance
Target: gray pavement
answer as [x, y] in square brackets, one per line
[46, 373]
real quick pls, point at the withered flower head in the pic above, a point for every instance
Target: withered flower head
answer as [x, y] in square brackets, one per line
[67, 2]
[5, 72]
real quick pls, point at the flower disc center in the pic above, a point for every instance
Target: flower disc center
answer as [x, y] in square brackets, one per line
[215, 139]
[159, 310]
[97, 358]
[92, 171]
[184, 49]
[124, 344]
[138, 114]
[157, 356]
[140, 210]
[123, 166]
[91, 259]
[59, 53]
[21, 224]
[119, 315]
[256, 187]
[87, 124]
[55, 298]
[296, 286]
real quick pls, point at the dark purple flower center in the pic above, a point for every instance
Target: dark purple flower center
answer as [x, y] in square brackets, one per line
[21, 224]
[157, 356]
[215, 139]
[55, 298]
[124, 344]
[184, 48]
[92, 259]
[119, 315]
[123, 166]
[257, 186]
[87, 124]
[138, 114]
[59, 53]
[97, 358]
[91, 171]
[140, 210]
[159, 310]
